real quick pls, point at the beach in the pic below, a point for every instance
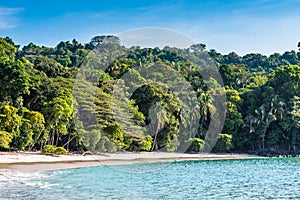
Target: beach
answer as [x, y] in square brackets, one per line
[35, 161]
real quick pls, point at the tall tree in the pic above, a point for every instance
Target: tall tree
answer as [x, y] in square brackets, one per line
[59, 113]
[158, 116]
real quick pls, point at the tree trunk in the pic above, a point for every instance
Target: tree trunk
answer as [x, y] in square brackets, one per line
[57, 137]
[52, 137]
[200, 127]
[67, 143]
[294, 148]
[263, 138]
[191, 126]
[36, 139]
[155, 145]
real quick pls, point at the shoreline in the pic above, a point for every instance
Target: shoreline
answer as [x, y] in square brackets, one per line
[35, 161]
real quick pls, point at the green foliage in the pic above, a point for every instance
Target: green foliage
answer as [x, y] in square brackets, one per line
[234, 117]
[224, 143]
[7, 49]
[107, 145]
[37, 104]
[258, 62]
[49, 66]
[5, 139]
[24, 126]
[60, 150]
[114, 133]
[10, 120]
[15, 79]
[90, 139]
[51, 149]
[60, 110]
[295, 111]
[197, 145]
[143, 144]
[103, 39]
[286, 81]
[159, 107]
[65, 61]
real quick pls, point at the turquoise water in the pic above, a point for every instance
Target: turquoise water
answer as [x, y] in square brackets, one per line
[271, 178]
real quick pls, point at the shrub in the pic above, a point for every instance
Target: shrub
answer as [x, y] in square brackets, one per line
[144, 144]
[224, 143]
[196, 145]
[110, 147]
[115, 134]
[90, 139]
[173, 144]
[5, 139]
[105, 145]
[101, 144]
[48, 149]
[60, 150]
[51, 149]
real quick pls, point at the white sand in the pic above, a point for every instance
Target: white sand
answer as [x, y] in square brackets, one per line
[30, 161]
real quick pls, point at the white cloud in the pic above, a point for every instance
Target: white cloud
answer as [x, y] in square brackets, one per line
[8, 18]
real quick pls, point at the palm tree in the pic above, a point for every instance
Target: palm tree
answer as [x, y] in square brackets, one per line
[192, 115]
[295, 118]
[158, 116]
[183, 118]
[206, 107]
[264, 121]
[264, 118]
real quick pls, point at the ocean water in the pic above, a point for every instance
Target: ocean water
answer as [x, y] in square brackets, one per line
[270, 178]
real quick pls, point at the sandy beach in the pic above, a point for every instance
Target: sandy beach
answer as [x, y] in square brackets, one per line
[35, 161]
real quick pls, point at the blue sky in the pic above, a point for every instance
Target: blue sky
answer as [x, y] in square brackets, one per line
[260, 26]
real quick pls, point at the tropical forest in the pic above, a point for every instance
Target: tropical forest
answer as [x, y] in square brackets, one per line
[51, 101]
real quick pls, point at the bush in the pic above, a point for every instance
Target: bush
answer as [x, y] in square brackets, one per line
[51, 149]
[60, 150]
[173, 144]
[144, 144]
[48, 149]
[115, 134]
[5, 139]
[90, 139]
[110, 147]
[224, 143]
[196, 145]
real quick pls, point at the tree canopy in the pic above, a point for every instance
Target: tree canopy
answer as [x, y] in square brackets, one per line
[39, 105]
